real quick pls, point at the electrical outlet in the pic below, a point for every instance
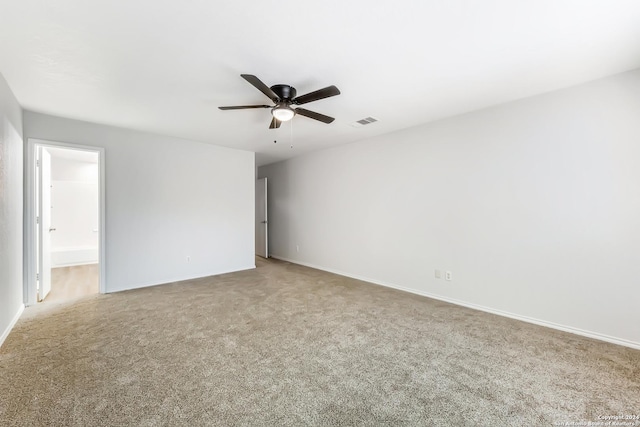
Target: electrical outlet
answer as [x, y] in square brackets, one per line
[447, 276]
[438, 274]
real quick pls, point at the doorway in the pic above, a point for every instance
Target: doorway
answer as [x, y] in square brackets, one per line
[65, 228]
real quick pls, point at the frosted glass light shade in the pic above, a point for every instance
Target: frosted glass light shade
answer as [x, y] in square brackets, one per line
[283, 113]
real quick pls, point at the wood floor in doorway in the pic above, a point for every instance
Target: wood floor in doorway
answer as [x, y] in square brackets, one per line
[73, 282]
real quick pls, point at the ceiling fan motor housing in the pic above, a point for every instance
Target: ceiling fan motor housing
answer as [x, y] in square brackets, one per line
[284, 92]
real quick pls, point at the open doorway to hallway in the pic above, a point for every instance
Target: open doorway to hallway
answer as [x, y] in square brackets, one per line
[74, 224]
[66, 206]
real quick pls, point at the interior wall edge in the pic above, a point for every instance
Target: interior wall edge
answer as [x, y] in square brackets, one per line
[11, 207]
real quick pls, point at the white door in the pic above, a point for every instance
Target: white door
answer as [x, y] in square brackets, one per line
[44, 223]
[262, 233]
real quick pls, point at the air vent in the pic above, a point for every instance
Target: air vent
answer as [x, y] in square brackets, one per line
[364, 122]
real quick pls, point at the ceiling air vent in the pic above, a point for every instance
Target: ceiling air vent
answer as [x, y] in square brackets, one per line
[364, 122]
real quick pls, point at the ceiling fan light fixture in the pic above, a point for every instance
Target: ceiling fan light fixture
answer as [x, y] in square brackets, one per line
[283, 113]
[284, 96]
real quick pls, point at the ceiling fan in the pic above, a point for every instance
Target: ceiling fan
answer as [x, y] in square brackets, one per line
[284, 96]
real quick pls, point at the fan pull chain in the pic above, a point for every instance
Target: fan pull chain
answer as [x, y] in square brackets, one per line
[291, 140]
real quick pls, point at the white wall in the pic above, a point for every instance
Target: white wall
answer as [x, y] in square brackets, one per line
[64, 169]
[166, 199]
[533, 205]
[11, 159]
[74, 212]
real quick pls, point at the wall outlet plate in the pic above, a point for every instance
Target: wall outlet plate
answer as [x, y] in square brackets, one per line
[447, 276]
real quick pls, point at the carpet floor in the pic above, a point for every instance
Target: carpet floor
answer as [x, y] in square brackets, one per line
[73, 282]
[288, 345]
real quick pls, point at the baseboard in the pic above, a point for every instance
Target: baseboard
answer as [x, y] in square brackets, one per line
[570, 329]
[74, 255]
[74, 264]
[13, 322]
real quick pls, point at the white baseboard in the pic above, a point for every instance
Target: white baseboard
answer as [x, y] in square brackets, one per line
[71, 256]
[576, 331]
[74, 264]
[13, 322]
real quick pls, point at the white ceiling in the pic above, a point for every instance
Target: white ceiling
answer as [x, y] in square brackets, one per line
[165, 66]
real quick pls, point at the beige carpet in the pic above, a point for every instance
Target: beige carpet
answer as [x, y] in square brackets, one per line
[73, 282]
[288, 345]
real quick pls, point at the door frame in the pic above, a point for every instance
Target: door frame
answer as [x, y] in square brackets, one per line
[31, 244]
[43, 177]
[264, 221]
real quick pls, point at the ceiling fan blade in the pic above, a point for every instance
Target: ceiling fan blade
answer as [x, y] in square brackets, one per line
[318, 94]
[257, 83]
[242, 107]
[275, 123]
[314, 115]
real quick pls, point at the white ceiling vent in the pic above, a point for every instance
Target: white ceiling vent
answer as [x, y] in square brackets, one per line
[364, 122]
